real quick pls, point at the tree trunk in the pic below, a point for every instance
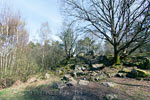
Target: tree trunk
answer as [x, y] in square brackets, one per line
[116, 56]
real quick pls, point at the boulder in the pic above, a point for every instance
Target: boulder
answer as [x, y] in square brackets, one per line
[47, 76]
[93, 73]
[71, 82]
[66, 77]
[83, 68]
[81, 54]
[100, 77]
[111, 97]
[60, 72]
[121, 75]
[109, 84]
[83, 82]
[78, 71]
[97, 66]
[138, 73]
[58, 85]
[147, 78]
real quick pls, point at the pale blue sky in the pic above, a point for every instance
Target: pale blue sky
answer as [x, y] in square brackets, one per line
[35, 12]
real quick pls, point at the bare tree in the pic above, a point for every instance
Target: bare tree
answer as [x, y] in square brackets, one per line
[69, 37]
[13, 38]
[120, 22]
[44, 35]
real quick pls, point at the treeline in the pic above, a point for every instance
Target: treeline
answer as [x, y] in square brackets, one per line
[20, 58]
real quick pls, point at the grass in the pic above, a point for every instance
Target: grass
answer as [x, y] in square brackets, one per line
[29, 93]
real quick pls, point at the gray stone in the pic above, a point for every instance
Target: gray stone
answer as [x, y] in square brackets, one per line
[85, 65]
[60, 72]
[83, 82]
[81, 54]
[121, 74]
[66, 77]
[97, 66]
[111, 97]
[94, 73]
[79, 73]
[109, 84]
[58, 85]
[83, 68]
[47, 76]
[72, 82]
[100, 77]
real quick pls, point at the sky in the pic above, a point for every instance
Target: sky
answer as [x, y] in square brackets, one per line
[36, 12]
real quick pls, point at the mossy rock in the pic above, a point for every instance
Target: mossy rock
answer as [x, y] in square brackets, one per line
[138, 73]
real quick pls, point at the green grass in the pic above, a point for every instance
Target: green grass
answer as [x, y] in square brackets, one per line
[29, 93]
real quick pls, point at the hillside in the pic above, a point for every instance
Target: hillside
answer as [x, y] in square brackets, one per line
[83, 78]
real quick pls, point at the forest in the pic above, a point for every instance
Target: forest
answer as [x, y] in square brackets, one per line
[102, 52]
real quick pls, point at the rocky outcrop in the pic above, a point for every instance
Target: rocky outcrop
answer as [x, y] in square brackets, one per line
[83, 82]
[109, 84]
[135, 72]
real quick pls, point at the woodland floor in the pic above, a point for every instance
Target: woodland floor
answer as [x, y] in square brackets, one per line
[126, 89]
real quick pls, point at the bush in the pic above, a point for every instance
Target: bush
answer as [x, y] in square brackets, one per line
[144, 64]
[7, 82]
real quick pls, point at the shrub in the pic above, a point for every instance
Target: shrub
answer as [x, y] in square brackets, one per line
[144, 64]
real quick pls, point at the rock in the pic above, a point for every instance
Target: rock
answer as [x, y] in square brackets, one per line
[90, 53]
[81, 54]
[83, 68]
[78, 67]
[97, 66]
[32, 80]
[121, 74]
[100, 77]
[47, 76]
[147, 78]
[111, 74]
[66, 77]
[109, 84]
[111, 97]
[138, 73]
[72, 82]
[74, 74]
[60, 72]
[78, 71]
[93, 73]
[58, 85]
[85, 65]
[83, 82]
